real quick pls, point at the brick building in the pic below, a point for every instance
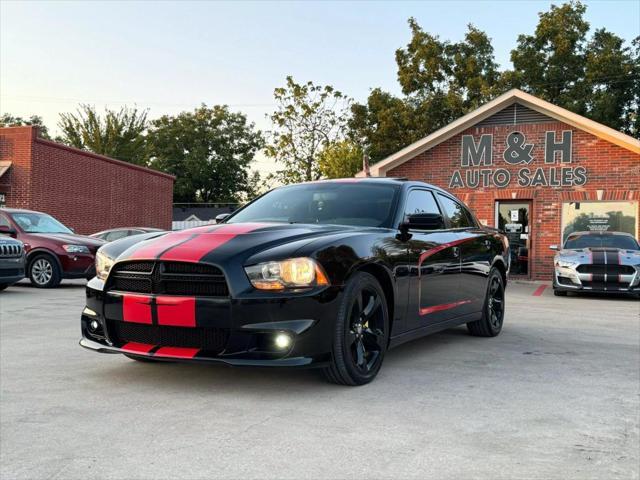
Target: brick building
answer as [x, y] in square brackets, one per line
[85, 191]
[533, 169]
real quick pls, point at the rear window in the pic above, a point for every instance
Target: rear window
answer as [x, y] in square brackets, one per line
[577, 242]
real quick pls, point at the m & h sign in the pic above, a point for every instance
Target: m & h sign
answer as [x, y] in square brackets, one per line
[476, 156]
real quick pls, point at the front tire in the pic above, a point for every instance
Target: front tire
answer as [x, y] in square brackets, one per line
[492, 319]
[361, 332]
[3, 286]
[44, 272]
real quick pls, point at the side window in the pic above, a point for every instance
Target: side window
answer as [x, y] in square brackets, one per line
[458, 215]
[115, 235]
[4, 221]
[420, 201]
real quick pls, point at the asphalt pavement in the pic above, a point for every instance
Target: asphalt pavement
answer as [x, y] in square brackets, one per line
[555, 396]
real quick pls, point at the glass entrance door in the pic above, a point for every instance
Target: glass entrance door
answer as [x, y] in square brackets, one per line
[513, 219]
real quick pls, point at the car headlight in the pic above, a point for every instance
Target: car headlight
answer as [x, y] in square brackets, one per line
[565, 264]
[76, 248]
[103, 265]
[291, 273]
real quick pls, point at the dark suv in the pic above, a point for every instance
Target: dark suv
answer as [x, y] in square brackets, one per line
[53, 251]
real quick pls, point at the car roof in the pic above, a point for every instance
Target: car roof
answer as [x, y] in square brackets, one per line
[600, 233]
[19, 210]
[378, 180]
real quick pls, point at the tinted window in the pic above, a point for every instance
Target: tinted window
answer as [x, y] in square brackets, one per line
[115, 235]
[420, 201]
[577, 242]
[4, 221]
[458, 215]
[347, 203]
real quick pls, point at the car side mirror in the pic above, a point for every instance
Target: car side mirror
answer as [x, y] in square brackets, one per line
[554, 247]
[423, 221]
[221, 218]
[7, 230]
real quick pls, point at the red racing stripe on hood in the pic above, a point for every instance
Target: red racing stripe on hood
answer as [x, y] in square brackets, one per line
[149, 251]
[197, 247]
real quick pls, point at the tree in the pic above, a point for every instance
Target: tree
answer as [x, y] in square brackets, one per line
[308, 117]
[8, 120]
[209, 150]
[342, 159]
[119, 134]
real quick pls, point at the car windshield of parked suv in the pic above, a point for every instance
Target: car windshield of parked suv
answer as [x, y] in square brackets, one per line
[39, 223]
[339, 203]
[577, 242]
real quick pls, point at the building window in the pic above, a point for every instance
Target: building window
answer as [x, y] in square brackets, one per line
[599, 217]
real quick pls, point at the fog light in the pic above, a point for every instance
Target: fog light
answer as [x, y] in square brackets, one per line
[93, 326]
[283, 340]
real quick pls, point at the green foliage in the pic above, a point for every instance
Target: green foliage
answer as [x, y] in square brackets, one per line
[8, 120]
[342, 159]
[598, 77]
[209, 151]
[307, 118]
[118, 134]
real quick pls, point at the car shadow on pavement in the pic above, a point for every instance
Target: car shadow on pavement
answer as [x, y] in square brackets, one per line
[269, 381]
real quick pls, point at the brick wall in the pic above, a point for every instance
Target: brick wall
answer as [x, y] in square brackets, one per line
[85, 191]
[613, 174]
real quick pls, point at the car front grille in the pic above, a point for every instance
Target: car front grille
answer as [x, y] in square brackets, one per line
[169, 278]
[10, 250]
[211, 340]
[609, 269]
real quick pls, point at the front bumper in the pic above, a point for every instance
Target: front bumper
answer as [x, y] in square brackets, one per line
[245, 328]
[570, 279]
[11, 270]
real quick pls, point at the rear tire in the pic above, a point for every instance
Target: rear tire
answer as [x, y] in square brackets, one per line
[361, 333]
[3, 286]
[44, 271]
[493, 310]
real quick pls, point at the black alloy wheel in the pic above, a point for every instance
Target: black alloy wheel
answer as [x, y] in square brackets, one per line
[362, 332]
[492, 319]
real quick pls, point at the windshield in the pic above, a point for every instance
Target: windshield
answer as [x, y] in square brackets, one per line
[577, 242]
[39, 223]
[324, 202]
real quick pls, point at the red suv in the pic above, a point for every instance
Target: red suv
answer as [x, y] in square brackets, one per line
[53, 251]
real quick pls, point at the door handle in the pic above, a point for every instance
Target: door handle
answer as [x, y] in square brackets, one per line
[455, 251]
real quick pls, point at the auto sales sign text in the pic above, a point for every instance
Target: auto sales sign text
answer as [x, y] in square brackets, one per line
[478, 168]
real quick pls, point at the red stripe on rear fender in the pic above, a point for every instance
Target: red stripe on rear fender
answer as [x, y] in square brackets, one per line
[136, 308]
[137, 347]
[176, 311]
[176, 352]
[196, 248]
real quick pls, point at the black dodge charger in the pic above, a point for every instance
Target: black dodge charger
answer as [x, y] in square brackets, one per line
[327, 274]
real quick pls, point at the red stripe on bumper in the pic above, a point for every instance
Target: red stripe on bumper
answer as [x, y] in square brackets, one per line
[176, 352]
[137, 347]
[136, 309]
[196, 248]
[444, 306]
[176, 311]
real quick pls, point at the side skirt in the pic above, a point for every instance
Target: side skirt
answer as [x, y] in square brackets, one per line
[428, 329]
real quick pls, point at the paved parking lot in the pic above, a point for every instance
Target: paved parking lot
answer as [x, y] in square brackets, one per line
[555, 396]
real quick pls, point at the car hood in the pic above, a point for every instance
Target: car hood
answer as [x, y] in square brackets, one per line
[71, 239]
[216, 243]
[598, 255]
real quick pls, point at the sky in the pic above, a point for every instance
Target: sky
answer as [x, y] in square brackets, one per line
[173, 56]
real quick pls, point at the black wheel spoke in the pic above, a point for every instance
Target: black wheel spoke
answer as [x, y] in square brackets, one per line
[374, 337]
[360, 354]
[351, 337]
